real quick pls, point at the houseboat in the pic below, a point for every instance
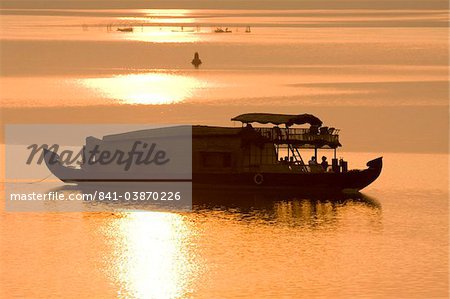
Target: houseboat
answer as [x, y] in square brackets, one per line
[263, 153]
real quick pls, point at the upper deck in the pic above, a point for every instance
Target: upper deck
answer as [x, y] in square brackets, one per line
[302, 137]
[314, 137]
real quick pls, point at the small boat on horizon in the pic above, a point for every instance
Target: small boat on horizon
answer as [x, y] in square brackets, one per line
[240, 158]
[220, 30]
[126, 29]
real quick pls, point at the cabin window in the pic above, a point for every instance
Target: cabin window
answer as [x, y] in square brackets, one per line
[216, 159]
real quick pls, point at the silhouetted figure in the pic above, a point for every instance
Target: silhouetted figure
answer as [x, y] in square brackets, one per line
[196, 61]
[314, 166]
[277, 133]
[324, 163]
[314, 130]
[248, 129]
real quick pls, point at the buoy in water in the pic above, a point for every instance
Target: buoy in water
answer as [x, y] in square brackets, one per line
[196, 61]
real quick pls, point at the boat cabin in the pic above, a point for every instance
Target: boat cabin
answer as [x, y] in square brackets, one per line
[264, 143]
[275, 146]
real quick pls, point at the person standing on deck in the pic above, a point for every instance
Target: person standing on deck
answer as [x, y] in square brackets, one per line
[324, 163]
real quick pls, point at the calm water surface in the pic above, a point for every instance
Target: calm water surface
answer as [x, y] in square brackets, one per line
[382, 77]
[393, 242]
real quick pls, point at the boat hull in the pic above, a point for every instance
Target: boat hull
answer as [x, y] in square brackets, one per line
[328, 182]
[305, 182]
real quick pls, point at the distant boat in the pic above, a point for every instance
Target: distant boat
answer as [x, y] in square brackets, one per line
[247, 30]
[220, 30]
[126, 29]
[196, 61]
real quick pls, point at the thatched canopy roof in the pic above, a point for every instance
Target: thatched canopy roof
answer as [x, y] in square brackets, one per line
[279, 119]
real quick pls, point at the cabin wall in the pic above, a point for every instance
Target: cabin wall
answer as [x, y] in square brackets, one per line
[227, 154]
[216, 154]
[168, 157]
[210, 152]
[254, 155]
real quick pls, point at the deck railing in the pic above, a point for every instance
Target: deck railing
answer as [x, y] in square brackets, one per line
[302, 135]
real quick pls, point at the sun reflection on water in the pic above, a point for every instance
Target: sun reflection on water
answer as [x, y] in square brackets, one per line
[152, 257]
[150, 88]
